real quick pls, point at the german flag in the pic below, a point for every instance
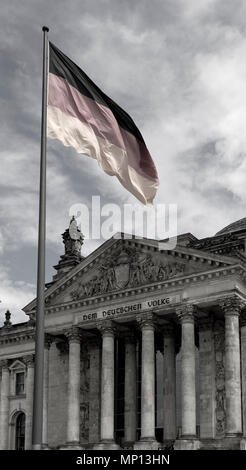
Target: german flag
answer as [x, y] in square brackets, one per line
[81, 116]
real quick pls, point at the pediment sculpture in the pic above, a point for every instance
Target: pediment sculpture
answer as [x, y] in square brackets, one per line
[126, 268]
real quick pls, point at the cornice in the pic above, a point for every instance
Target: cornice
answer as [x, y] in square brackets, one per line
[178, 282]
[16, 337]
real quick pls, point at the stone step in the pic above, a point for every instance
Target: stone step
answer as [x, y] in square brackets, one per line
[228, 443]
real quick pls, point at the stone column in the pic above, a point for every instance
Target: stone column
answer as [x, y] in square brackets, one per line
[48, 341]
[188, 381]
[107, 385]
[169, 383]
[130, 402]
[95, 390]
[207, 379]
[243, 364]
[73, 415]
[29, 361]
[231, 307]
[146, 323]
[4, 406]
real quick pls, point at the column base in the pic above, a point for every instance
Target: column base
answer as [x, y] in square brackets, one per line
[147, 443]
[233, 434]
[168, 444]
[106, 444]
[128, 445]
[187, 444]
[243, 444]
[45, 447]
[73, 445]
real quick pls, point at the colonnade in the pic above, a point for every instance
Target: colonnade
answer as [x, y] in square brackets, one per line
[235, 380]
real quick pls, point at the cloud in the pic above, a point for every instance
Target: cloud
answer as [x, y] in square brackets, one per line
[14, 295]
[176, 66]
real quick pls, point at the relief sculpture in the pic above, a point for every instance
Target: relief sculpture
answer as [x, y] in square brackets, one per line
[127, 268]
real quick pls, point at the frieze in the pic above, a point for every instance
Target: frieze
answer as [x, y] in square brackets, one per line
[134, 308]
[178, 281]
[126, 268]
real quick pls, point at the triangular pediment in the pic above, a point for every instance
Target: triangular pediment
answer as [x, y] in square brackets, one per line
[121, 264]
[17, 365]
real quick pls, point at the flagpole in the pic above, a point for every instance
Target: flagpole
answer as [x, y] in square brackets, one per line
[37, 425]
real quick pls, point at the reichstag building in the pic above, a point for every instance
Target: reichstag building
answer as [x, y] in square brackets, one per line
[144, 348]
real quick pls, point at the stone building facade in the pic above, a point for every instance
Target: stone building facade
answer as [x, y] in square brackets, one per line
[144, 348]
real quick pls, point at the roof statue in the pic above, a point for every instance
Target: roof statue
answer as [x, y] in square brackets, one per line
[73, 240]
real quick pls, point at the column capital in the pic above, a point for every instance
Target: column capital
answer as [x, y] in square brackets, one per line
[146, 320]
[4, 364]
[74, 334]
[231, 305]
[29, 360]
[106, 327]
[186, 313]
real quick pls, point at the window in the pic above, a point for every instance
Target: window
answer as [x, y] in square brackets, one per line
[20, 431]
[19, 383]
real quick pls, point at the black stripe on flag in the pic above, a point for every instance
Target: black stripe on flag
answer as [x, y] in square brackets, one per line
[62, 66]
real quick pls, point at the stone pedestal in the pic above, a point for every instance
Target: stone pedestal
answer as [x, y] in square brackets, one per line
[187, 444]
[207, 379]
[107, 387]
[73, 416]
[231, 307]
[130, 389]
[147, 440]
[243, 444]
[4, 406]
[169, 384]
[29, 360]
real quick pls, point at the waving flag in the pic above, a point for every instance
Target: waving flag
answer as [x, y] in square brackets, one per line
[81, 116]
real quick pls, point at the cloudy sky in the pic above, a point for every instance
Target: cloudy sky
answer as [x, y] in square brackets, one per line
[177, 66]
